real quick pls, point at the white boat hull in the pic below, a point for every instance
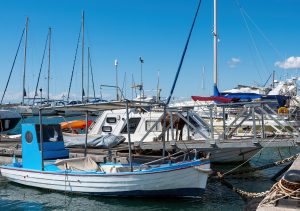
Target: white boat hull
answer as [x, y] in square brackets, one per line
[186, 181]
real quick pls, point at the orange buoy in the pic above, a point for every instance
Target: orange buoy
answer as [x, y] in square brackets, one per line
[75, 124]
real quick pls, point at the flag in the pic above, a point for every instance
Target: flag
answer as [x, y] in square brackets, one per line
[24, 93]
[83, 93]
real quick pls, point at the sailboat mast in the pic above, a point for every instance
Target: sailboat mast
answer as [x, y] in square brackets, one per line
[25, 54]
[215, 65]
[49, 50]
[88, 76]
[82, 66]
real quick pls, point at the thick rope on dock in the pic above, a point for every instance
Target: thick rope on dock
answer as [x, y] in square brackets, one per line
[281, 189]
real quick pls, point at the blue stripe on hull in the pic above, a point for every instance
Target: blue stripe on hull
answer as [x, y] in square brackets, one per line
[182, 192]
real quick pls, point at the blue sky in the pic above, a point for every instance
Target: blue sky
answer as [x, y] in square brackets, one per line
[249, 47]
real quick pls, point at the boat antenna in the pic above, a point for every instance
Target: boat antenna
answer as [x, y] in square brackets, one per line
[49, 50]
[74, 62]
[116, 68]
[183, 55]
[157, 89]
[25, 54]
[41, 67]
[13, 65]
[141, 86]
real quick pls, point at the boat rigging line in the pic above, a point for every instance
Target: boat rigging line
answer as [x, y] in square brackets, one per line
[92, 74]
[41, 67]
[183, 55]
[13, 65]
[74, 62]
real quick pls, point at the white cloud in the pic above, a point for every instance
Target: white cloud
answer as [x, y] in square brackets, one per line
[290, 63]
[233, 62]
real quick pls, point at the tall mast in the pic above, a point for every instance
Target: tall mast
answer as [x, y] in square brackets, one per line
[88, 76]
[82, 67]
[49, 48]
[25, 54]
[215, 66]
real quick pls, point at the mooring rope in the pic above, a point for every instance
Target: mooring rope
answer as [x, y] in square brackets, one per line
[269, 165]
[246, 194]
[233, 169]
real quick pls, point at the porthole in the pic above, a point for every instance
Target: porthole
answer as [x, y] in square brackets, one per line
[28, 137]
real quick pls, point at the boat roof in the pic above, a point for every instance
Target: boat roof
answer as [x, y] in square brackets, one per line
[102, 106]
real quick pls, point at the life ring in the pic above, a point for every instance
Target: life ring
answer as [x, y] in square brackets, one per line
[283, 110]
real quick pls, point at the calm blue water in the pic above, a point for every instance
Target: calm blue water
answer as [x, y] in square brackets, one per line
[216, 197]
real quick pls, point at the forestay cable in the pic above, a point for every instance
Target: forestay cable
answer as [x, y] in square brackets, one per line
[183, 55]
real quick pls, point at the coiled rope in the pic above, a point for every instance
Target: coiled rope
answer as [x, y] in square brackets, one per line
[280, 190]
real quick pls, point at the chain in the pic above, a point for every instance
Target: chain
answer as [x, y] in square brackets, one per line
[283, 191]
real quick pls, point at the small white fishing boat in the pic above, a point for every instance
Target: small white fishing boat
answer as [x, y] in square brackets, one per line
[40, 168]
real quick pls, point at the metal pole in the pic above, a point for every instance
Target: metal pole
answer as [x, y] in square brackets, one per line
[82, 58]
[164, 132]
[188, 127]
[215, 34]
[88, 76]
[117, 84]
[41, 132]
[86, 133]
[129, 139]
[263, 125]
[224, 123]
[254, 123]
[48, 89]
[25, 54]
[211, 125]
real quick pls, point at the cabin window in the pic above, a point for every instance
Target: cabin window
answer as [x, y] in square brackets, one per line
[111, 119]
[150, 123]
[133, 124]
[107, 129]
[50, 133]
[6, 123]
